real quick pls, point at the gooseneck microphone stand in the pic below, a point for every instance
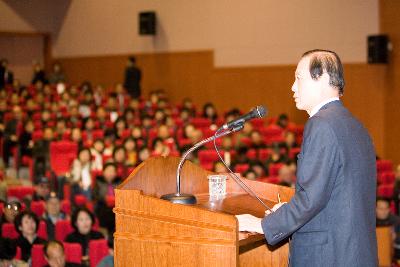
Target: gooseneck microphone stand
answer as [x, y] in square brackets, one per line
[182, 198]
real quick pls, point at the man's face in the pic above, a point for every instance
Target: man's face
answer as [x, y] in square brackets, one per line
[382, 210]
[53, 206]
[55, 256]
[306, 90]
[11, 211]
[43, 189]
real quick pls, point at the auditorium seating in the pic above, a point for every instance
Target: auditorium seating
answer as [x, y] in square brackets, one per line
[98, 249]
[73, 254]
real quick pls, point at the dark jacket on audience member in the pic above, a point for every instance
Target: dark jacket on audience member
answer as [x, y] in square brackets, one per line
[51, 227]
[83, 240]
[26, 247]
[71, 264]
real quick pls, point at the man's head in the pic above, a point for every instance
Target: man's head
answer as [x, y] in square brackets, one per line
[11, 210]
[318, 77]
[42, 188]
[53, 205]
[54, 253]
[382, 208]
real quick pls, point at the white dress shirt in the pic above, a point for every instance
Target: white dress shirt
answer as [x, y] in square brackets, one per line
[320, 105]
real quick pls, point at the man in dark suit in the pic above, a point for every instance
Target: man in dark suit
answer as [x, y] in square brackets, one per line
[133, 75]
[6, 75]
[331, 217]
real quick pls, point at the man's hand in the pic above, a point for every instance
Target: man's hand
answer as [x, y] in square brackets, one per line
[249, 223]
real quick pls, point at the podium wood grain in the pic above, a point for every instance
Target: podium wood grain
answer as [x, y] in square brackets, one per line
[155, 232]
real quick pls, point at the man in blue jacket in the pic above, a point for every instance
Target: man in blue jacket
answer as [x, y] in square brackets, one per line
[331, 217]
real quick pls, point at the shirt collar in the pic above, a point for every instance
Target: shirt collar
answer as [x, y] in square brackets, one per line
[320, 105]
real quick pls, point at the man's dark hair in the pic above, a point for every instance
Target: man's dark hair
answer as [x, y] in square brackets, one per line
[20, 216]
[384, 199]
[326, 61]
[52, 243]
[132, 59]
[109, 164]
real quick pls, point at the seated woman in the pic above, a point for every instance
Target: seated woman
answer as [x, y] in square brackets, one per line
[81, 174]
[82, 221]
[27, 223]
[104, 188]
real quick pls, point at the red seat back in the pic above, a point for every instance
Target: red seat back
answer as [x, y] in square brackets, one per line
[62, 153]
[20, 191]
[63, 228]
[37, 253]
[8, 231]
[274, 169]
[98, 249]
[73, 252]
[38, 207]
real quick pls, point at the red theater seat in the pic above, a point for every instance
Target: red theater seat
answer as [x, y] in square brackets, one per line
[98, 249]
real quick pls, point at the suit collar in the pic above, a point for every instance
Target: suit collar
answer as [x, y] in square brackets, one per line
[331, 104]
[322, 104]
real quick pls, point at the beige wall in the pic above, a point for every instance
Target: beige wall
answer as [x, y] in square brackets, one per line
[255, 32]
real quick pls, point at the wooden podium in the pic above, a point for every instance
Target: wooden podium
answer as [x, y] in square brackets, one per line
[155, 232]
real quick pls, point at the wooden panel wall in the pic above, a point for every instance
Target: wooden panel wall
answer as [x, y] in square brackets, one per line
[192, 74]
[390, 24]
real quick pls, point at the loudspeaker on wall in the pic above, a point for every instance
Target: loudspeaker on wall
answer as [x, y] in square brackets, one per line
[147, 23]
[378, 49]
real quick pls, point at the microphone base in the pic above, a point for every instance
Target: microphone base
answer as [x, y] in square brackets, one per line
[185, 199]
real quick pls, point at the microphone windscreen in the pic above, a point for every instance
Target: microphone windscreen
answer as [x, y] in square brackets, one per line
[261, 111]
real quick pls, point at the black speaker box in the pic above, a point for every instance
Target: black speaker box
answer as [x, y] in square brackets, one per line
[378, 49]
[147, 23]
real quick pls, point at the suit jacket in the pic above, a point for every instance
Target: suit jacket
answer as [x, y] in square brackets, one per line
[133, 75]
[332, 214]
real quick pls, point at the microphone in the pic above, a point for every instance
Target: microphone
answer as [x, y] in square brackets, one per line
[257, 112]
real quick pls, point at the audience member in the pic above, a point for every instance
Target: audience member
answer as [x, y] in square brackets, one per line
[286, 175]
[12, 131]
[25, 139]
[6, 75]
[104, 188]
[210, 112]
[133, 76]
[38, 74]
[396, 190]
[81, 179]
[219, 167]
[27, 223]
[131, 153]
[57, 75]
[385, 218]
[55, 255]
[97, 155]
[11, 209]
[283, 121]
[42, 189]
[8, 251]
[53, 214]
[82, 221]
